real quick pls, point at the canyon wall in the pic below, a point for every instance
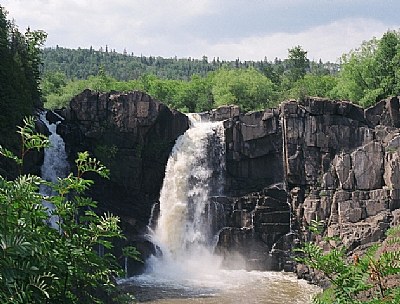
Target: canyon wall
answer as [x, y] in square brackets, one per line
[132, 134]
[314, 159]
[337, 163]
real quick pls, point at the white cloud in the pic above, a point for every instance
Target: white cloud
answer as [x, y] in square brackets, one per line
[327, 42]
[120, 23]
[193, 28]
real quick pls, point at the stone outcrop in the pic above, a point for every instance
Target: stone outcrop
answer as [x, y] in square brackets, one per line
[339, 164]
[332, 161]
[132, 134]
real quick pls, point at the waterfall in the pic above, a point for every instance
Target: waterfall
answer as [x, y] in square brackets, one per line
[187, 227]
[185, 231]
[55, 165]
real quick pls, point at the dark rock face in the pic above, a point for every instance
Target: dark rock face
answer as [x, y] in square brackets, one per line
[339, 164]
[332, 161]
[254, 151]
[132, 134]
[254, 223]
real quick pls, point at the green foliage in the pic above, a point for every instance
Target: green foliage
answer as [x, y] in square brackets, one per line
[53, 83]
[313, 85]
[298, 64]
[189, 85]
[40, 263]
[371, 73]
[247, 88]
[367, 75]
[362, 280]
[30, 140]
[19, 75]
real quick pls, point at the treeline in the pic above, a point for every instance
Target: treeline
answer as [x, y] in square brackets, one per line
[252, 85]
[82, 63]
[20, 60]
[364, 76]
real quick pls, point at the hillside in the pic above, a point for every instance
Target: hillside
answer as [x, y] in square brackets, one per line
[82, 63]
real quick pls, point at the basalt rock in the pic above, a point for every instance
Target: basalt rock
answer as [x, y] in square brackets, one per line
[253, 151]
[341, 167]
[253, 224]
[132, 134]
[339, 164]
[335, 162]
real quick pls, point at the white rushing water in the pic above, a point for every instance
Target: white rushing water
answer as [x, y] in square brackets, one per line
[186, 269]
[55, 165]
[187, 225]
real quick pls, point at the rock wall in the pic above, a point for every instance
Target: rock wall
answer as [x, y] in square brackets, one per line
[338, 163]
[341, 166]
[315, 159]
[132, 134]
[254, 151]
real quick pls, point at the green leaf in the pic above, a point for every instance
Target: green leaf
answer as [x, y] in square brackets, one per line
[8, 154]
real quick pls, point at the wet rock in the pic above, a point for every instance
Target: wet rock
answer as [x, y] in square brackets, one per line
[52, 117]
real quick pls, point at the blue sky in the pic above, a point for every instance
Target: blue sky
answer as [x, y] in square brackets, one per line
[228, 29]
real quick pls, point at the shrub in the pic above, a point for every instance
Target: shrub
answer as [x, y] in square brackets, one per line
[44, 264]
[363, 279]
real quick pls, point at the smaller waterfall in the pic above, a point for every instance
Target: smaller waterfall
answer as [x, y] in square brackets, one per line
[55, 165]
[126, 267]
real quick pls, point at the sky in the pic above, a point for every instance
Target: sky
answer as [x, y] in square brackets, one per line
[228, 29]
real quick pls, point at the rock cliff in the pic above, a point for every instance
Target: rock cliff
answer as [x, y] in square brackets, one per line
[338, 163]
[314, 159]
[132, 134]
[341, 166]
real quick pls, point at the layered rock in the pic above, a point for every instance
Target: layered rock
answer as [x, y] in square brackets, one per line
[339, 164]
[341, 167]
[132, 134]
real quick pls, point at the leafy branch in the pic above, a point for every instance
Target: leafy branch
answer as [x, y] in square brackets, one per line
[40, 264]
[352, 281]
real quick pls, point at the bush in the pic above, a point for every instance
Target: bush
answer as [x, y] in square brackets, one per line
[363, 279]
[44, 264]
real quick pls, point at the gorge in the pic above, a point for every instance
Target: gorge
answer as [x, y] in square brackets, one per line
[306, 160]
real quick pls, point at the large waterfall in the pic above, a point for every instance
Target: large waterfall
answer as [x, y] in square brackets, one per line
[186, 270]
[188, 224]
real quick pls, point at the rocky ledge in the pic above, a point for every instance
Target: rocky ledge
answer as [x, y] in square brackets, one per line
[132, 134]
[315, 159]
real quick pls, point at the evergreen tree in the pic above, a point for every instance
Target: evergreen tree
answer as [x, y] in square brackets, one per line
[19, 74]
[298, 64]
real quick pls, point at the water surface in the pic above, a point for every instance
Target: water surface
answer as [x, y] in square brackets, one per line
[226, 287]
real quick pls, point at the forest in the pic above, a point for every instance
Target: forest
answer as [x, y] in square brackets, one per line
[363, 76]
[20, 63]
